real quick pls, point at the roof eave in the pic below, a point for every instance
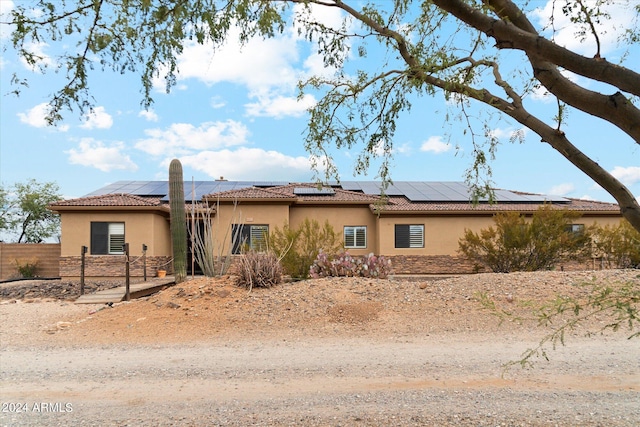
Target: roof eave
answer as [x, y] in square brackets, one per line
[81, 208]
[250, 199]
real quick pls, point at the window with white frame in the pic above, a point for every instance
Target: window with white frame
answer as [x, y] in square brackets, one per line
[355, 237]
[409, 236]
[249, 237]
[107, 238]
[575, 228]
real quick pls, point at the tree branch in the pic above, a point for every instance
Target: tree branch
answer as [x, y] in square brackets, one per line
[614, 108]
[512, 37]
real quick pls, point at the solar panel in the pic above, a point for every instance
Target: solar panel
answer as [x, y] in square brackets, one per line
[350, 185]
[313, 191]
[415, 191]
[153, 188]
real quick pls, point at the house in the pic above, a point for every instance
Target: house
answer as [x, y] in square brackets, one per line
[417, 225]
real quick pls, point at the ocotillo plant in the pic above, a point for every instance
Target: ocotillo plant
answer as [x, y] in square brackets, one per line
[178, 221]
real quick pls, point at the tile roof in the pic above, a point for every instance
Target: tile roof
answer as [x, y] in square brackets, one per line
[110, 200]
[250, 193]
[360, 192]
[288, 192]
[339, 195]
[402, 204]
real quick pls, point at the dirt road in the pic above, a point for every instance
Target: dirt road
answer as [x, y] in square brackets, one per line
[360, 374]
[457, 380]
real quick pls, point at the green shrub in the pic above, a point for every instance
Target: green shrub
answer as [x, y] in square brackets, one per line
[297, 249]
[258, 270]
[618, 245]
[27, 267]
[344, 265]
[516, 244]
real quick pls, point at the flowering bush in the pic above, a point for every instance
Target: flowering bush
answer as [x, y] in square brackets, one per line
[344, 265]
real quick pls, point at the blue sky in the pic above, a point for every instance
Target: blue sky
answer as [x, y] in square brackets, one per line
[235, 114]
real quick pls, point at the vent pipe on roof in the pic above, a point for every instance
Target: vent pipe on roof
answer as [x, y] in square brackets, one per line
[221, 179]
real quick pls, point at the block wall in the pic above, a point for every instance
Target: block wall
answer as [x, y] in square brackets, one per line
[46, 255]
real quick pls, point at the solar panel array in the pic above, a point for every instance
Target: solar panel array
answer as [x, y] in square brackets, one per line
[415, 191]
[313, 191]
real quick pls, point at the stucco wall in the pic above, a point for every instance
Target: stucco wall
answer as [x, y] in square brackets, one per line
[147, 228]
[438, 256]
[441, 233]
[340, 217]
[47, 256]
[271, 214]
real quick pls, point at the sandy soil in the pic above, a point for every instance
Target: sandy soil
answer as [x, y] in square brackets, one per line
[319, 352]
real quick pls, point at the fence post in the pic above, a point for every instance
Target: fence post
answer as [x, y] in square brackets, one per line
[127, 292]
[83, 251]
[144, 261]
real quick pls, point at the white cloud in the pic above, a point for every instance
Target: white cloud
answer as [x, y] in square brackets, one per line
[184, 138]
[540, 93]
[97, 119]
[250, 163]
[508, 133]
[43, 60]
[403, 148]
[327, 16]
[628, 176]
[436, 145]
[260, 64]
[36, 117]
[269, 68]
[95, 154]
[149, 115]
[280, 106]
[217, 102]
[566, 33]
[562, 189]
[6, 6]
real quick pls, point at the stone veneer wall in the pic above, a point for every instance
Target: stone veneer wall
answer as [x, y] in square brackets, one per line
[446, 264]
[107, 266]
[112, 266]
[430, 264]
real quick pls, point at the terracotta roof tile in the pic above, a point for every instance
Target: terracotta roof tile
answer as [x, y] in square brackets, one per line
[110, 200]
[402, 204]
[288, 192]
[339, 195]
[250, 193]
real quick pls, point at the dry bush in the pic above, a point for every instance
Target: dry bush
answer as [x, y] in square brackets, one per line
[259, 269]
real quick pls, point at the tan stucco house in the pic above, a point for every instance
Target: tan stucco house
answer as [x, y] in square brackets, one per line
[417, 225]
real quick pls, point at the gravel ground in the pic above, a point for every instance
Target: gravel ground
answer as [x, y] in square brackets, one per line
[327, 352]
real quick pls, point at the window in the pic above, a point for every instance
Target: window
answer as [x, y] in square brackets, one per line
[107, 238]
[355, 237]
[409, 236]
[575, 228]
[249, 237]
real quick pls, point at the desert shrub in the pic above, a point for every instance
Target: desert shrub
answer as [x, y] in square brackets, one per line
[258, 270]
[344, 265]
[212, 242]
[27, 267]
[298, 248]
[516, 244]
[618, 245]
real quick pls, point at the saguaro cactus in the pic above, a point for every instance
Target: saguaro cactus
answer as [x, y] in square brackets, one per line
[178, 221]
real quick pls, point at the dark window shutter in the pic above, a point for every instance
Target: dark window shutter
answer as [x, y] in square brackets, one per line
[99, 238]
[361, 237]
[402, 237]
